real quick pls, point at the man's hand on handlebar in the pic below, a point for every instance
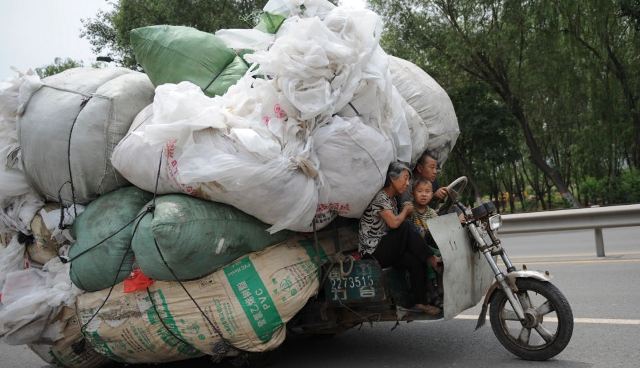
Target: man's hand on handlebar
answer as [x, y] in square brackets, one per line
[441, 193]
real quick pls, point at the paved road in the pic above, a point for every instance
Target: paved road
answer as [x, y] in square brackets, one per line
[604, 294]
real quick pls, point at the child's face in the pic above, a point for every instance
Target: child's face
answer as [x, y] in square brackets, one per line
[422, 194]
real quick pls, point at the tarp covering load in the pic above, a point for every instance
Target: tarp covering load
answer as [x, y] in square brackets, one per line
[70, 351]
[196, 237]
[249, 302]
[172, 54]
[102, 253]
[257, 143]
[18, 201]
[71, 125]
[430, 114]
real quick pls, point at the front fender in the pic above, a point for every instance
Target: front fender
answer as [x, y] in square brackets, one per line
[511, 280]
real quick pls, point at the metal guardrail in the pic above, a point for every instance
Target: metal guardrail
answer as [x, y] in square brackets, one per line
[596, 218]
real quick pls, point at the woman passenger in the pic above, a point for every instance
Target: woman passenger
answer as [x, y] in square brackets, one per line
[387, 236]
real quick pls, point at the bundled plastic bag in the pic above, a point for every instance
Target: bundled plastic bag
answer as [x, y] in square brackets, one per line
[346, 147]
[86, 111]
[379, 105]
[102, 252]
[239, 149]
[31, 300]
[431, 103]
[196, 237]
[249, 301]
[143, 171]
[256, 142]
[18, 201]
[317, 63]
[172, 54]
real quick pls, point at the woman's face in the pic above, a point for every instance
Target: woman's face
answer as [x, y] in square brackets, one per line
[401, 183]
[428, 169]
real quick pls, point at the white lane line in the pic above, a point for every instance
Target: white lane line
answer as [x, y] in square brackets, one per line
[567, 255]
[603, 321]
[586, 261]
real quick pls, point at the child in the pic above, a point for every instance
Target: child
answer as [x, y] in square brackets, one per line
[422, 195]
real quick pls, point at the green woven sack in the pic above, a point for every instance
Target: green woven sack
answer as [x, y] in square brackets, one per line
[96, 269]
[196, 237]
[270, 23]
[172, 54]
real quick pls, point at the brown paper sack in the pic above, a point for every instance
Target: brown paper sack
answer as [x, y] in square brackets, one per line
[249, 301]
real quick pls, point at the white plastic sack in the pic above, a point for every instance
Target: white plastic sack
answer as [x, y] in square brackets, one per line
[90, 110]
[346, 147]
[317, 63]
[378, 105]
[431, 103]
[244, 159]
[18, 201]
[137, 161]
[31, 300]
[255, 147]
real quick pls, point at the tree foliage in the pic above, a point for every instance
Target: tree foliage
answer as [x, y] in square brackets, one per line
[566, 72]
[59, 65]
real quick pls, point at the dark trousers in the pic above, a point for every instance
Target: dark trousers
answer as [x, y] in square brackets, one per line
[404, 248]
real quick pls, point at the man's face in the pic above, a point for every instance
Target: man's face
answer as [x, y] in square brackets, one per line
[429, 169]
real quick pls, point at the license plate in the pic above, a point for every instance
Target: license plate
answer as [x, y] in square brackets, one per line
[362, 285]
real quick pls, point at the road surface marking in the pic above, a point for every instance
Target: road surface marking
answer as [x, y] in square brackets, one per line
[517, 262]
[588, 254]
[603, 321]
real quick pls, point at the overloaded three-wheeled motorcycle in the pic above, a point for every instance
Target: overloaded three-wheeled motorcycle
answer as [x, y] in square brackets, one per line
[528, 314]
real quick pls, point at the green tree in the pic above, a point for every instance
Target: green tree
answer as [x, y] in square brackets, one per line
[59, 65]
[488, 145]
[567, 72]
[108, 31]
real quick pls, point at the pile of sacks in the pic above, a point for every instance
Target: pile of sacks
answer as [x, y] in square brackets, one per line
[156, 217]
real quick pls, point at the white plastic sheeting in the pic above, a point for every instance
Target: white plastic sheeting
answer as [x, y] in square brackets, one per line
[306, 135]
[431, 103]
[31, 300]
[18, 202]
[11, 259]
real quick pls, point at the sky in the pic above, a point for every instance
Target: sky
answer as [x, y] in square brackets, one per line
[34, 32]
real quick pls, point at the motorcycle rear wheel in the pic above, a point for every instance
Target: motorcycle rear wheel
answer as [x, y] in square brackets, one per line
[535, 339]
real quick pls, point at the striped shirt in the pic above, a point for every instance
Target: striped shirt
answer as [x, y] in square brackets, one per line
[372, 225]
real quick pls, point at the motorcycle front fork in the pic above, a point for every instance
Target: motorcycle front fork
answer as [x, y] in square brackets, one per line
[488, 254]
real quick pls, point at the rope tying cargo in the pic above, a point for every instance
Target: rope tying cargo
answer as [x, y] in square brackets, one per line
[220, 350]
[83, 102]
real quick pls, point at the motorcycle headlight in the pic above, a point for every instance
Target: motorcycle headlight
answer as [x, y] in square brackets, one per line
[495, 222]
